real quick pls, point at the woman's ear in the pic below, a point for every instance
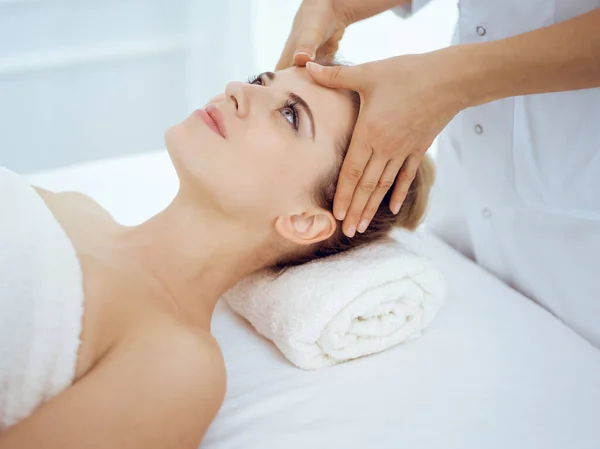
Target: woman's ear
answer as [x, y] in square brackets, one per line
[307, 228]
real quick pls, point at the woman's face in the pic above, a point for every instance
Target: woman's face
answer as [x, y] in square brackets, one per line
[258, 150]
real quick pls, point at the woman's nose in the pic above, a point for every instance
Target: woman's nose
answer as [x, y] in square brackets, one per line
[237, 94]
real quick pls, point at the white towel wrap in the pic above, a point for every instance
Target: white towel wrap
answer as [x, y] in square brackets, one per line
[41, 302]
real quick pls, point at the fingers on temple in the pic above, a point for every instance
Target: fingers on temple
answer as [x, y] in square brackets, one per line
[352, 171]
[338, 77]
[383, 186]
[367, 186]
[405, 177]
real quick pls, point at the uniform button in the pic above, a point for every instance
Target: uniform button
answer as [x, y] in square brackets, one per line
[480, 30]
[478, 129]
[486, 213]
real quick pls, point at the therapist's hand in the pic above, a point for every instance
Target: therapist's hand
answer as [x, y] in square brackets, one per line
[405, 102]
[318, 27]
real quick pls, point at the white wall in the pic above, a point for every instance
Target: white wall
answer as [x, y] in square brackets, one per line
[379, 37]
[88, 79]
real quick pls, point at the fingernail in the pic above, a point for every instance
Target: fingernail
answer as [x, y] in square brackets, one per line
[396, 208]
[341, 215]
[351, 231]
[362, 226]
[313, 67]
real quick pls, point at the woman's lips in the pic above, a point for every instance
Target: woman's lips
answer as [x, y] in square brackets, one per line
[213, 118]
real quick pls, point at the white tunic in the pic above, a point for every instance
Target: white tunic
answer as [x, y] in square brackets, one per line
[518, 186]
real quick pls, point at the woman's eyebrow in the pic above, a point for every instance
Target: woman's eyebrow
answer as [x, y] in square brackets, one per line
[304, 105]
[297, 99]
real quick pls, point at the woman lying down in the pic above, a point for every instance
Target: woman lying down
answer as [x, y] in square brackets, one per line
[257, 170]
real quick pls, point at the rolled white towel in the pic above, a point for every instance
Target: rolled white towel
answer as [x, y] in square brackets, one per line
[346, 306]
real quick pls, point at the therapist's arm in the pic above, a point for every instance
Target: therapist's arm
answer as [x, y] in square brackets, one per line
[561, 57]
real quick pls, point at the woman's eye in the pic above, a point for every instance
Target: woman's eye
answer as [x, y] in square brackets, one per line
[256, 80]
[289, 115]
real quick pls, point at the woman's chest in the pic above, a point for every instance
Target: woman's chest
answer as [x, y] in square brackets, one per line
[115, 298]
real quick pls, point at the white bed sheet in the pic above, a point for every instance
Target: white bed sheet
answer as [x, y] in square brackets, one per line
[493, 371]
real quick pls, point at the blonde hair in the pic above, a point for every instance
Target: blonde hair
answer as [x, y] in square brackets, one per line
[409, 217]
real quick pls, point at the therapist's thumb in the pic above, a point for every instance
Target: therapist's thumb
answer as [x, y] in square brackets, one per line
[336, 77]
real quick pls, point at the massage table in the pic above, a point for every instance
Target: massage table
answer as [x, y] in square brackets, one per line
[494, 369]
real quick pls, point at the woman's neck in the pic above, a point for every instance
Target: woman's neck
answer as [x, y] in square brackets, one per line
[193, 256]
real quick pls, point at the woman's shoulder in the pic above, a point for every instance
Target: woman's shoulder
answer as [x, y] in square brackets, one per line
[195, 344]
[88, 203]
[155, 384]
[79, 200]
[185, 351]
[179, 360]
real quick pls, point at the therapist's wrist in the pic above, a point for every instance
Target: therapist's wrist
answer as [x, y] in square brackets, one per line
[477, 72]
[451, 77]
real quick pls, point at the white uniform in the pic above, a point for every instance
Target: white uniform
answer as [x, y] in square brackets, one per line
[518, 186]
